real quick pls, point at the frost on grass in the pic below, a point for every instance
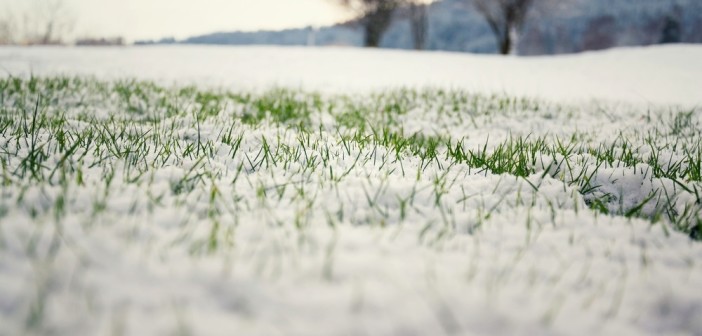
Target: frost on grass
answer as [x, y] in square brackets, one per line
[131, 208]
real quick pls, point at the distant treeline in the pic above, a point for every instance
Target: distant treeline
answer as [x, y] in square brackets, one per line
[454, 25]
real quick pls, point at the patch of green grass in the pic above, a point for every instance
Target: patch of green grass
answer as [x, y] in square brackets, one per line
[57, 129]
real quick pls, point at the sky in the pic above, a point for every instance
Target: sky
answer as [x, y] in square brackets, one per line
[152, 19]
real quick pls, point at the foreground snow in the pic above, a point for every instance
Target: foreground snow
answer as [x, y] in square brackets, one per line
[654, 75]
[131, 208]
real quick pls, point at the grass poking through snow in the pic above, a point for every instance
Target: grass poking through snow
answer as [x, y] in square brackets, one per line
[256, 179]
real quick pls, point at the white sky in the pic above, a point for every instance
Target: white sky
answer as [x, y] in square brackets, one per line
[150, 19]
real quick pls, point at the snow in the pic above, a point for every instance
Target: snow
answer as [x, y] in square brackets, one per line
[653, 75]
[495, 257]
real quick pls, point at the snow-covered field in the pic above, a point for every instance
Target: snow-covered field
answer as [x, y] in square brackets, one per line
[285, 191]
[657, 75]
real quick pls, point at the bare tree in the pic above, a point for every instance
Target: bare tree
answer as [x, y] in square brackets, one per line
[419, 23]
[7, 29]
[506, 19]
[36, 22]
[54, 21]
[374, 15]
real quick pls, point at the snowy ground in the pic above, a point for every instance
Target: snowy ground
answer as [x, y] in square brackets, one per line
[129, 207]
[670, 74]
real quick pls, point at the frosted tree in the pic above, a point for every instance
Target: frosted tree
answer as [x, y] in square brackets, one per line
[374, 15]
[506, 19]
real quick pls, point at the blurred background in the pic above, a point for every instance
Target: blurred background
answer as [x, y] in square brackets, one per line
[525, 27]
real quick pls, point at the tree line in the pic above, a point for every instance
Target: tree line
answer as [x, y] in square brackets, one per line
[543, 26]
[506, 19]
[47, 22]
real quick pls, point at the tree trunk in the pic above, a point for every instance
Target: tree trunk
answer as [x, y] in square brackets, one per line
[506, 19]
[46, 36]
[507, 40]
[504, 44]
[513, 35]
[419, 24]
[375, 25]
[372, 38]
